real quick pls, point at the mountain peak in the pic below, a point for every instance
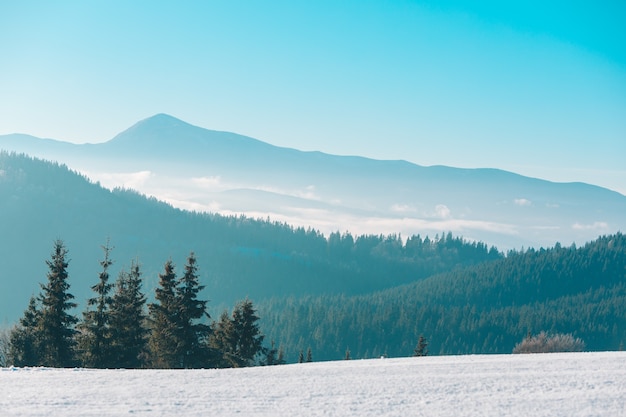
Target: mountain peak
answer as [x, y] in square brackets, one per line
[154, 129]
[162, 119]
[159, 121]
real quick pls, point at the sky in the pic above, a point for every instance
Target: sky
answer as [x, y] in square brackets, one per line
[533, 87]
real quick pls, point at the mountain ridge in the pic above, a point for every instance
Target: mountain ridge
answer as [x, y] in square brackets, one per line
[190, 166]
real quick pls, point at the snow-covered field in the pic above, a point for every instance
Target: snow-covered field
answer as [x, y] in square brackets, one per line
[574, 384]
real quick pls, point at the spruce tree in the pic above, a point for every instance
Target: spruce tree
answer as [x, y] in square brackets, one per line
[222, 343]
[237, 340]
[24, 344]
[421, 349]
[309, 355]
[248, 334]
[165, 322]
[94, 339]
[194, 334]
[56, 324]
[127, 320]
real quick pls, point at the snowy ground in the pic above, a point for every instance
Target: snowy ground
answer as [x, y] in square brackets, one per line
[575, 384]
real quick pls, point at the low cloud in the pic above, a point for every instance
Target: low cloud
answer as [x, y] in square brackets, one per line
[598, 226]
[134, 180]
[522, 202]
[208, 183]
[307, 193]
[402, 208]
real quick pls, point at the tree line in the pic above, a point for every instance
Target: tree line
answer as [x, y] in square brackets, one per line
[120, 329]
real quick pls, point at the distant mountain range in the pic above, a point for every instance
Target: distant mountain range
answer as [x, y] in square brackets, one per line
[41, 201]
[204, 170]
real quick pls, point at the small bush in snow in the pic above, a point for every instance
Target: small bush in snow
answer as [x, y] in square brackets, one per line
[545, 343]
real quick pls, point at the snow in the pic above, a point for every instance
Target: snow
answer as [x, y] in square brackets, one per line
[562, 384]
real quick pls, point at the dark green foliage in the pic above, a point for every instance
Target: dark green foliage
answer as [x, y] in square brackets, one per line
[248, 334]
[309, 355]
[45, 334]
[237, 339]
[223, 342]
[56, 325]
[165, 326]
[94, 339]
[24, 345]
[481, 309]
[127, 320]
[194, 334]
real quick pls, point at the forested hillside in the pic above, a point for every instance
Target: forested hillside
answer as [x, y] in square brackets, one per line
[486, 308]
[237, 256]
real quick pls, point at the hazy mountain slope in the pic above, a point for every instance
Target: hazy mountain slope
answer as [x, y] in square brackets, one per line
[486, 308]
[238, 257]
[192, 167]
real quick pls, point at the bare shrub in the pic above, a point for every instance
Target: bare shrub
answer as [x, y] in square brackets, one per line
[545, 343]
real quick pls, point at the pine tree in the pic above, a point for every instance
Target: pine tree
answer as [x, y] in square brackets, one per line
[248, 335]
[24, 345]
[127, 320]
[56, 325]
[94, 339]
[237, 340]
[223, 343]
[422, 347]
[194, 334]
[166, 342]
[309, 355]
[301, 357]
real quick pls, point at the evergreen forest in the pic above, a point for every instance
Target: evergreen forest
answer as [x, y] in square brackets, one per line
[486, 308]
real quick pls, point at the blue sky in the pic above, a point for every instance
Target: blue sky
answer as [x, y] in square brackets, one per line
[534, 87]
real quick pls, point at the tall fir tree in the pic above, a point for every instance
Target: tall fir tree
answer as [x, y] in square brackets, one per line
[165, 342]
[24, 343]
[194, 333]
[56, 324]
[94, 337]
[127, 320]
